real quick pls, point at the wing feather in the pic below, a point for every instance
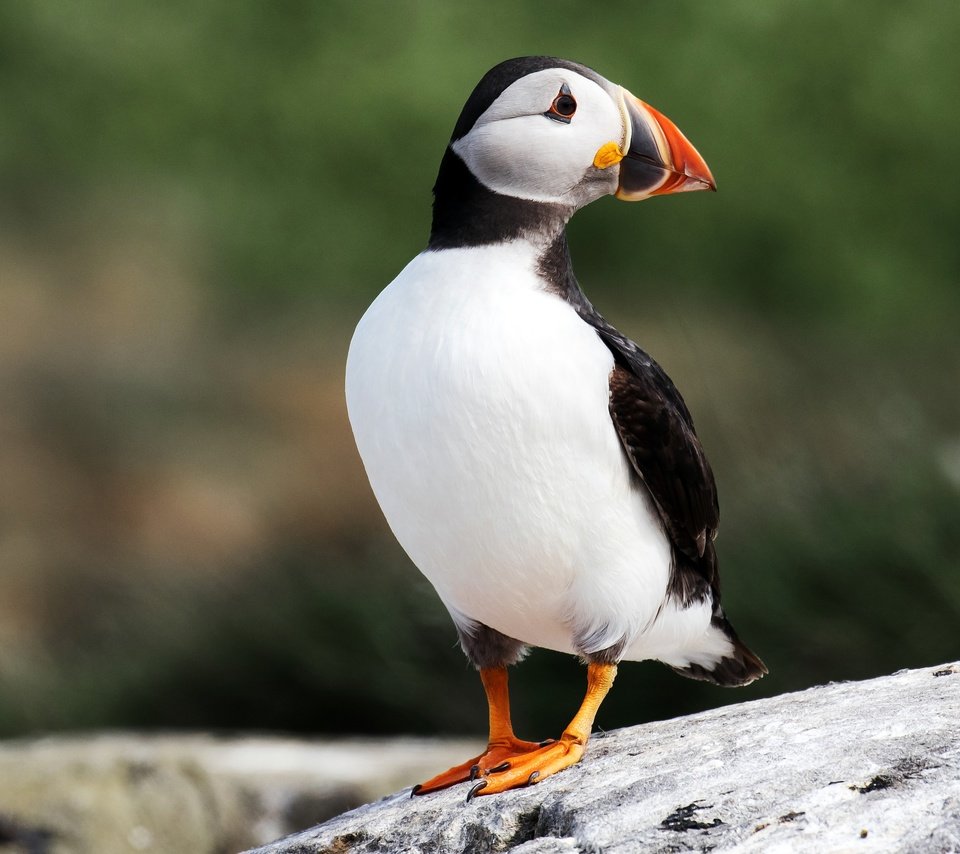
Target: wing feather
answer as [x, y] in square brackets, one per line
[658, 437]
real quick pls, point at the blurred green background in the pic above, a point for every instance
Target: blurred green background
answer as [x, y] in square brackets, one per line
[197, 202]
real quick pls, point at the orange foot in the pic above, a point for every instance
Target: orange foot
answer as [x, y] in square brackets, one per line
[533, 766]
[510, 762]
[500, 755]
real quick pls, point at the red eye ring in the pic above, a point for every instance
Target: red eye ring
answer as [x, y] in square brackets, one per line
[563, 106]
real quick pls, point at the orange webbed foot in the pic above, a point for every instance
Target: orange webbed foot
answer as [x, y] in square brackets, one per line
[509, 762]
[532, 767]
[499, 756]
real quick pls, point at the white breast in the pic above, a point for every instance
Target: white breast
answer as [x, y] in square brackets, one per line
[479, 403]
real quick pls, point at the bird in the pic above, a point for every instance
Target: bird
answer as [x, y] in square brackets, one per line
[537, 466]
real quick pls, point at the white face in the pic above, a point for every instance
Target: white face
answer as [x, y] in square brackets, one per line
[516, 149]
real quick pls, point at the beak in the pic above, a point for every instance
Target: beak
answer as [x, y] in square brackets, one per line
[659, 159]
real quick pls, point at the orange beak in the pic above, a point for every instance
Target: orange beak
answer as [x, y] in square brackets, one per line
[659, 159]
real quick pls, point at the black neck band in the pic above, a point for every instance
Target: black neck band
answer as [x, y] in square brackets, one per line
[465, 213]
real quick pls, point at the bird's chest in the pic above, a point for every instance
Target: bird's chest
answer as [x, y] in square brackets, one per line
[479, 403]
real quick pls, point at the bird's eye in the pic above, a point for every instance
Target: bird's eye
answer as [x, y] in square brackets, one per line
[563, 106]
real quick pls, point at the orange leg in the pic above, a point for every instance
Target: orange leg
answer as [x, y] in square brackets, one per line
[544, 761]
[502, 746]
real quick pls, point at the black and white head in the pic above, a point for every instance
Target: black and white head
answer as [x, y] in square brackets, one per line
[541, 137]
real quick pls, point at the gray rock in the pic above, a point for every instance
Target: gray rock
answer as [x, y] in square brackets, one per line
[861, 766]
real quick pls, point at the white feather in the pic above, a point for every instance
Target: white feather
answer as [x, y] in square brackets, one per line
[479, 402]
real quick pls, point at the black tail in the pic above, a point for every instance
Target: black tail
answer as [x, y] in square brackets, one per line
[741, 667]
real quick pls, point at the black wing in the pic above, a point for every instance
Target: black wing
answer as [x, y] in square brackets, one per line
[658, 436]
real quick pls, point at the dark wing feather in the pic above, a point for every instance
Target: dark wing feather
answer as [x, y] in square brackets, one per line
[666, 454]
[658, 436]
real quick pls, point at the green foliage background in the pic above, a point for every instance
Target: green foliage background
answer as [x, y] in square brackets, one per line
[282, 155]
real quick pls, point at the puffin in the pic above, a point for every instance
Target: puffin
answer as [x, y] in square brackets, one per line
[537, 466]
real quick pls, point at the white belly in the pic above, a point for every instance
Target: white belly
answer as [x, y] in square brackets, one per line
[479, 403]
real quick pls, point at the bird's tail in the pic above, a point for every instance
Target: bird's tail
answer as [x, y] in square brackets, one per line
[740, 667]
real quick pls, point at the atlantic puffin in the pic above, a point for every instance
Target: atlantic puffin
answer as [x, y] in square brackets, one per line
[537, 466]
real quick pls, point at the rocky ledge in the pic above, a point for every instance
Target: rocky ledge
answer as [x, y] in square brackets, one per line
[858, 766]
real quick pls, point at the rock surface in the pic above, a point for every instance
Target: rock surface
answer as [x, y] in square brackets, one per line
[114, 794]
[862, 766]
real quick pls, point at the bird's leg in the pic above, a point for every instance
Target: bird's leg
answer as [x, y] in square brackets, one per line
[502, 745]
[541, 763]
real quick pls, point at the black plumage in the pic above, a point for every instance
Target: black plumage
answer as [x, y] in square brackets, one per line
[659, 439]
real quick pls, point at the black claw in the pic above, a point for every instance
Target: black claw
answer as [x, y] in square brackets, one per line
[475, 788]
[474, 772]
[416, 789]
[533, 777]
[547, 741]
[503, 766]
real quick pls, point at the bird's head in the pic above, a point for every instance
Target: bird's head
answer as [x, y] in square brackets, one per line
[542, 137]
